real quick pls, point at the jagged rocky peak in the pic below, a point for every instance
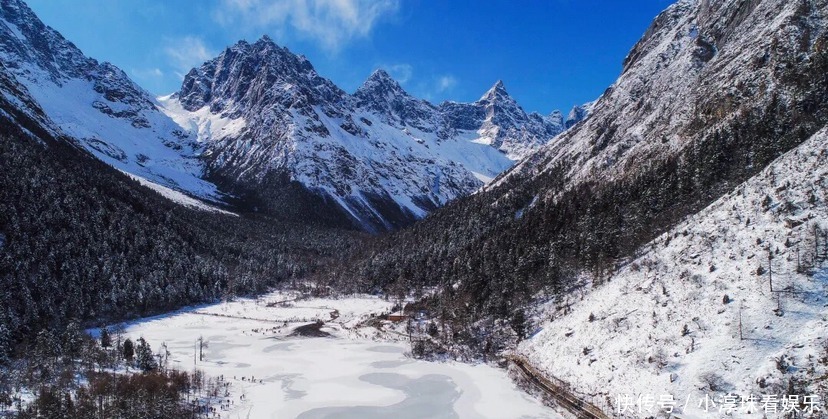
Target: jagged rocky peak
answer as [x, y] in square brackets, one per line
[498, 99]
[379, 80]
[497, 94]
[41, 59]
[556, 118]
[34, 51]
[380, 90]
[249, 75]
[578, 113]
[34, 43]
[502, 110]
[383, 95]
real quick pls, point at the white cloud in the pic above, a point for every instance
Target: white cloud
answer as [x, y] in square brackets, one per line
[436, 87]
[186, 53]
[445, 83]
[147, 73]
[402, 73]
[331, 23]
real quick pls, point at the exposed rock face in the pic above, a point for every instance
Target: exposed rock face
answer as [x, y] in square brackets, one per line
[578, 114]
[382, 95]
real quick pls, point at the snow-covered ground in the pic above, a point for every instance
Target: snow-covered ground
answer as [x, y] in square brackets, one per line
[178, 197]
[695, 316]
[353, 373]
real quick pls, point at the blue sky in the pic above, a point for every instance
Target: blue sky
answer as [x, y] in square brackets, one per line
[551, 54]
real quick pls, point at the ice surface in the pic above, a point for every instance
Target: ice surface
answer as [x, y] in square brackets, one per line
[275, 376]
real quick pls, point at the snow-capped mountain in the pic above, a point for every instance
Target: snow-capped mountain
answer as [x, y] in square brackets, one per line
[262, 123]
[94, 104]
[382, 95]
[502, 123]
[383, 157]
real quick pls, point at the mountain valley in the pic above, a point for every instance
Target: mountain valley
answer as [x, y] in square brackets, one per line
[667, 239]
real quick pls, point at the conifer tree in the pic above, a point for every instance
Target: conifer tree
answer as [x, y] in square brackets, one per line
[144, 356]
[5, 345]
[129, 350]
[106, 338]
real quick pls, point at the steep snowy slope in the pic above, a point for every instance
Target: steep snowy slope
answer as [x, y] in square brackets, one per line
[381, 156]
[93, 103]
[695, 313]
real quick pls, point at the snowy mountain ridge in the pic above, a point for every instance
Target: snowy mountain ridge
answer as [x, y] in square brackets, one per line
[654, 213]
[95, 104]
[383, 156]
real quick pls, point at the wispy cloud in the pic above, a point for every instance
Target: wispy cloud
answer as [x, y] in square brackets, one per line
[445, 83]
[436, 87]
[331, 23]
[186, 53]
[402, 73]
[147, 73]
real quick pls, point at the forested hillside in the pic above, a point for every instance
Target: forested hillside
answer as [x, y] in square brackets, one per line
[79, 240]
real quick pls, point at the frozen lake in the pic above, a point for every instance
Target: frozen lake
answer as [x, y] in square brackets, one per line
[347, 375]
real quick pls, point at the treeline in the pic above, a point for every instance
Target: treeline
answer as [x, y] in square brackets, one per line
[159, 394]
[80, 240]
